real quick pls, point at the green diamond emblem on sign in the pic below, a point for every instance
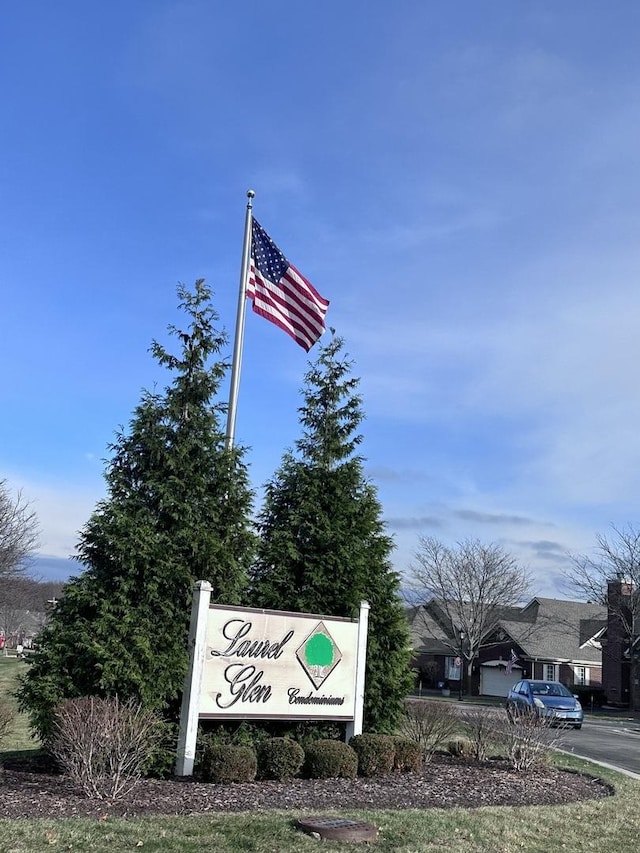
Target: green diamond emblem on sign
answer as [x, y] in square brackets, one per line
[318, 655]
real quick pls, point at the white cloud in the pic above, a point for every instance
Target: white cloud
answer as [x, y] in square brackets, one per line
[62, 509]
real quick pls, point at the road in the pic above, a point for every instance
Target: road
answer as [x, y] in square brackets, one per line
[615, 743]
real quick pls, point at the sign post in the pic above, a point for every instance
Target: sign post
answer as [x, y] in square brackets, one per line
[193, 682]
[355, 726]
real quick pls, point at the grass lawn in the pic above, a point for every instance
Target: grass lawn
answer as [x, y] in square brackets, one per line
[599, 826]
[18, 737]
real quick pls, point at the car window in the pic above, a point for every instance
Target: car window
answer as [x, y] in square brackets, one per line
[516, 687]
[549, 688]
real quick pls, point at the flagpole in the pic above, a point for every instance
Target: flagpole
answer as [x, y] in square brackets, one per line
[239, 338]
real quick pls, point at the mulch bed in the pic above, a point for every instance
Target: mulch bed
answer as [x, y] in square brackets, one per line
[446, 782]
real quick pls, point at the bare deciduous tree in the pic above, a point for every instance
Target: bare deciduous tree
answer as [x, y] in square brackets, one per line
[15, 600]
[472, 583]
[18, 541]
[18, 532]
[24, 605]
[616, 558]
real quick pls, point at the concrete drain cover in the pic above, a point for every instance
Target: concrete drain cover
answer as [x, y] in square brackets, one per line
[338, 828]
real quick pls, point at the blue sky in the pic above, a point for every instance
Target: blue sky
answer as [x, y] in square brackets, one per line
[461, 181]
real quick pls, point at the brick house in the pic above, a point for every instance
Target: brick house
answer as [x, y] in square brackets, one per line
[548, 638]
[621, 644]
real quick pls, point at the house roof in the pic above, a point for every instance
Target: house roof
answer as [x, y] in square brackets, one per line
[426, 633]
[545, 628]
[559, 630]
[431, 620]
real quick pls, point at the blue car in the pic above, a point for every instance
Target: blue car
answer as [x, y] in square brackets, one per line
[545, 699]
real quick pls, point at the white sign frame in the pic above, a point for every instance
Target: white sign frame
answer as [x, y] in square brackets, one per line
[246, 663]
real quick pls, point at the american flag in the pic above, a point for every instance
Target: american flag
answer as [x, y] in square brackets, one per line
[281, 294]
[512, 660]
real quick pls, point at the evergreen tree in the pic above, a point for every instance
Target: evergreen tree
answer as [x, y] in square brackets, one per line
[177, 511]
[322, 545]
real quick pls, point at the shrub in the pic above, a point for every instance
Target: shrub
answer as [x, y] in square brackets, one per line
[330, 759]
[481, 726]
[280, 758]
[162, 758]
[226, 763]
[527, 739]
[103, 744]
[409, 757]
[461, 746]
[430, 724]
[590, 697]
[6, 718]
[227, 732]
[243, 733]
[376, 754]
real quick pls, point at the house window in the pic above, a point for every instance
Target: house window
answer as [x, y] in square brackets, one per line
[581, 676]
[550, 672]
[452, 671]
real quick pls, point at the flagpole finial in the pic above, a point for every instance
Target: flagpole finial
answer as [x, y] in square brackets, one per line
[251, 194]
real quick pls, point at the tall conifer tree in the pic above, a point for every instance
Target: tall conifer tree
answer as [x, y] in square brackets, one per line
[177, 510]
[322, 545]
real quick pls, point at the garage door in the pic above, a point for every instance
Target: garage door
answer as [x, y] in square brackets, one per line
[496, 681]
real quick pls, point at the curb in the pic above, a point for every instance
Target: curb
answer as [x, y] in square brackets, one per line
[599, 763]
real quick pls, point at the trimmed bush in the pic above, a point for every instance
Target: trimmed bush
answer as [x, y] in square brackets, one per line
[280, 758]
[461, 746]
[409, 756]
[226, 763]
[376, 754]
[330, 759]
